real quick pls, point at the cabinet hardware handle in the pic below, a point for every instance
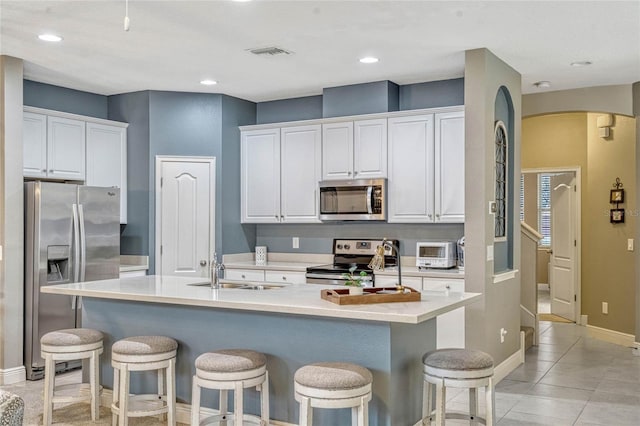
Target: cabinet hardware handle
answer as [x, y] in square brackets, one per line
[203, 263]
[448, 287]
[50, 170]
[282, 217]
[284, 278]
[349, 173]
[355, 173]
[437, 216]
[243, 276]
[44, 170]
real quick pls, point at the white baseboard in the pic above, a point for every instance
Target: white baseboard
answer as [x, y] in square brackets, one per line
[611, 336]
[10, 376]
[584, 320]
[183, 411]
[508, 365]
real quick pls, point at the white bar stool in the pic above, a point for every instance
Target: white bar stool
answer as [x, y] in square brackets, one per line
[458, 368]
[235, 370]
[67, 345]
[144, 353]
[333, 385]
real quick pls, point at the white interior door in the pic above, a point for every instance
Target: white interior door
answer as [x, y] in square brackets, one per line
[563, 273]
[185, 215]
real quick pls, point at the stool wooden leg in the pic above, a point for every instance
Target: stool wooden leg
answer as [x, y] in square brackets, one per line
[441, 398]
[264, 399]
[171, 392]
[238, 399]
[94, 382]
[116, 394]
[224, 401]
[306, 412]
[195, 402]
[473, 403]
[490, 403]
[427, 402]
[161, 391]
[49, 385]
[124, 396]
[363, 412]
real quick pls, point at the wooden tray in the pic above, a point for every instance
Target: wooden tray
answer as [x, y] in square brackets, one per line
[342, 297]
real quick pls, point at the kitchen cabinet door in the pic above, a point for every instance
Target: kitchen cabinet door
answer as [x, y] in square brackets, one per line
[300, 168]
[370, 149]
[260, 176]
[450, 326]
[410, 185]
[337, 150]
[107, 160]
[34, 142]
[65, 149]
[449, 167]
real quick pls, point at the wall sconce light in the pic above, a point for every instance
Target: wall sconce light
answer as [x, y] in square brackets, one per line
[604, 123]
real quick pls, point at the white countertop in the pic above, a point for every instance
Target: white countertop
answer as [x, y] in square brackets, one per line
[295, 299]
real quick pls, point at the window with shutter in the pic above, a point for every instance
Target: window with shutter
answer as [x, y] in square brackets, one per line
[544, 209]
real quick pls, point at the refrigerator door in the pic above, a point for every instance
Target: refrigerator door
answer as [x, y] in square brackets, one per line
[99, 219]
[49, 259]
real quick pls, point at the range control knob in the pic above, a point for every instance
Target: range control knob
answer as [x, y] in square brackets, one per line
[339, 246]
[347, 246]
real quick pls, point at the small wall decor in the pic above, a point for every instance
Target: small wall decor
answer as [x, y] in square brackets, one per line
[616, 215]
[616, 196]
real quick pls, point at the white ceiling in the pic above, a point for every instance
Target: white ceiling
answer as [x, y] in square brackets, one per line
[172, 45]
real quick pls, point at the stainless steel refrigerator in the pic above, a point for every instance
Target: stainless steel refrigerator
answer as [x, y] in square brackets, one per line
[72, 234]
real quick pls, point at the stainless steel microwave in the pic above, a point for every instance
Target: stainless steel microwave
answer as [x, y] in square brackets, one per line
[356, 199]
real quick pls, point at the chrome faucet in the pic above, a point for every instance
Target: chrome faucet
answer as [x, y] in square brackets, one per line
[217, 269]
[377, 262]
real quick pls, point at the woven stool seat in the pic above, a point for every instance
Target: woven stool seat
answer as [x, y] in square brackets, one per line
[11, 409]
[68, 340]
[230, 361]
[333, 376]
[67, 345]
[459, 368]
[333, 385]
[144, 345]
[231, 370]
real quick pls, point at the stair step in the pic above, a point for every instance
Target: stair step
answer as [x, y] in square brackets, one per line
[528, 337]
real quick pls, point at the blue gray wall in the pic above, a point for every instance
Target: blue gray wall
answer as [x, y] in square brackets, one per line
[62, 99]
[432, 94]
[365, 98]
[305, 108]
[133, 108]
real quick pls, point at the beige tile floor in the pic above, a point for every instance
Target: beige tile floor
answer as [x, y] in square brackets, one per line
[569, 379]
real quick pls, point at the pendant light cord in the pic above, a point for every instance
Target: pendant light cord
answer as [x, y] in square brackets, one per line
[126, 15]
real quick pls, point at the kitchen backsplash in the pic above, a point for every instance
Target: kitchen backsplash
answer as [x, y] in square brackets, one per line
[319, 238]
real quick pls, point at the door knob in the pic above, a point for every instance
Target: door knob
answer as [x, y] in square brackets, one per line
[203, 263]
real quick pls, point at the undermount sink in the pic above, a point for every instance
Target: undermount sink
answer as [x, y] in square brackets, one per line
[240, 286]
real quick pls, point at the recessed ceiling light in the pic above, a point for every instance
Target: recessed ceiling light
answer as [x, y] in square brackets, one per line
[368, 60]
[581, 63]
[542, 84]
[208, 82]
[50, 37]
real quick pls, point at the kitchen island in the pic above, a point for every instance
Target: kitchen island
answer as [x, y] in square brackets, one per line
[291, 324]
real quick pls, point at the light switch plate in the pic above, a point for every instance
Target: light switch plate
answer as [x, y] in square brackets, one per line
[489, 253]
[296, 242]
[630, 244]
[0, 252]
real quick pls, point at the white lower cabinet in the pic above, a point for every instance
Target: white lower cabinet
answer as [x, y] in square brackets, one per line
[450, 326]
[127, 274]
[261, 275]
[285, 277]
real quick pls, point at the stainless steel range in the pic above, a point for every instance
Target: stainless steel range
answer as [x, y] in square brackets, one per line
[348, 253]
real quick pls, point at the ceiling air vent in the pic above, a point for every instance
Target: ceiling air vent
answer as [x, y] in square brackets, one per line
[269, 51]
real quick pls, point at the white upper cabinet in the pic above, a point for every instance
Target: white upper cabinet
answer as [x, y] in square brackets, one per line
[426, 168]
[65, 148]
[280, 173]
[370, 149]
[54, 147]
[354, 149]
[337, 150]
[107, 160]
[260, 168]
[300, 151]
[410, 186]
[34, 136]
[449, 167]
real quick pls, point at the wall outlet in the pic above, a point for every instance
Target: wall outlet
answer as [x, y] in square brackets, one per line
[605, 308]
[630, 244]
[489, 253]
[503, 332]
[296, 242]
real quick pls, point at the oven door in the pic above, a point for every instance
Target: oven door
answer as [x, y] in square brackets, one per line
[328, 278]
